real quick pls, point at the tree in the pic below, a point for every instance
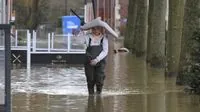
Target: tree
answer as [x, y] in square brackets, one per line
[23, 12]
[150, 29]
[33, 22]
[29, 14]
[140, 38]
[129, 34]
[44, 10]
[192, 77]
[189, 26]
[156, 42]
[175, 25]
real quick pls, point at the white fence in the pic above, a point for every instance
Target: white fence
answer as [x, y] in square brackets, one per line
[52, 43]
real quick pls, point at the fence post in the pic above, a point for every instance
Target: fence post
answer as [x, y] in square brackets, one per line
[52, 40]
[28, 50]
[16, 38]
[68, 42]
[34, 41]
[49, 42]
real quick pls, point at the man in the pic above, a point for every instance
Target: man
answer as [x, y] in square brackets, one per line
[96, 52]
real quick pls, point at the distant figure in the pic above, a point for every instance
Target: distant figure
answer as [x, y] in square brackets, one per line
[96, 52]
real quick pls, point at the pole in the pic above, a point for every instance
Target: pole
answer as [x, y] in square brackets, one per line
[16, 38]
[85, 2]
[7, 69]
[3, 12]
[68, 43]
[34, 41]
[52, 40]
[7, 11]
[28, 50]
[66, 7]
[94, 8]
[85, 12]
[49, 42]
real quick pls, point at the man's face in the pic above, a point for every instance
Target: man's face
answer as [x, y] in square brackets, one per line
[97, 30]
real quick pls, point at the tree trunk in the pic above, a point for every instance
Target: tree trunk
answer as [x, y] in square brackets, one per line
[176, 9]
[150, 29]
[129, 36]
[189, 26]
[141, 29]
[34, 15]
[157, 40]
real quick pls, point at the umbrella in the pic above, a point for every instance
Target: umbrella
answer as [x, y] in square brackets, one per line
[99, 22]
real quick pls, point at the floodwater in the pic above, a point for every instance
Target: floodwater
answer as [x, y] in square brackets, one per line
[130, 86]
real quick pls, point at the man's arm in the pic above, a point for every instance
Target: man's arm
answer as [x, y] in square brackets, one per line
[104, 52]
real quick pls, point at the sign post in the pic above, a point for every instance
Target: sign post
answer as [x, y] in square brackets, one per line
[69, 23]
[5, 67]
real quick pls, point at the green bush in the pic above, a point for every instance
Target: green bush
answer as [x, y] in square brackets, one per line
[192, 73]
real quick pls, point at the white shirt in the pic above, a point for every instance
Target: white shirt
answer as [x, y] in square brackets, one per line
[97, 42]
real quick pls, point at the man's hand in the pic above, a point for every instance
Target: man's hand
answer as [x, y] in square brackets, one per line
[93, 62]
[75, 31]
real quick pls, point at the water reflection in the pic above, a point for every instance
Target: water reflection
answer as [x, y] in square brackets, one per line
[130, 86]
[95, 104]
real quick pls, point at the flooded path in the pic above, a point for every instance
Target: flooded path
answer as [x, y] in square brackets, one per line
[130, 86]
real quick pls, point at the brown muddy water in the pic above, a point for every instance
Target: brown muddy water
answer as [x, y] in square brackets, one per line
[130, 86]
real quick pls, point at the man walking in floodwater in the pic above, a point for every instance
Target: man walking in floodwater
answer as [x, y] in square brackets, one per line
[96, 52]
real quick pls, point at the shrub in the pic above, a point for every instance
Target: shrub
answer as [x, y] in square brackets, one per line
[192, 75]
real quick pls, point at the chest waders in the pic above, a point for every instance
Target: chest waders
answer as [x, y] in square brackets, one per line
[95, 75]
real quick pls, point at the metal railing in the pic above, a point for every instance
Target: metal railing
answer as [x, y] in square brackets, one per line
[52, 43]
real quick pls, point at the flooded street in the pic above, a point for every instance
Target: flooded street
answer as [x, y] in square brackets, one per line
[35, 32]
[130, 86]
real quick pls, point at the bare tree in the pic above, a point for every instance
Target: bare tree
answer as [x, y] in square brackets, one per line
[156, 42]
[33, 22]
[150, 29]
[141, 29]
[176, 11]
[129, 34]
[29, 14]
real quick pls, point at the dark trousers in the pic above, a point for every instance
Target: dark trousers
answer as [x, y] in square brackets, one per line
[95, 75]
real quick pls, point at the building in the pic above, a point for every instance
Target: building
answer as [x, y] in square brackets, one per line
[5, 11]
[108, 10]
[123, 8]
[2, 11]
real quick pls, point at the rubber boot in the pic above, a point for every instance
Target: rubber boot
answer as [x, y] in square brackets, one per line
[99, 89]
[91, 91]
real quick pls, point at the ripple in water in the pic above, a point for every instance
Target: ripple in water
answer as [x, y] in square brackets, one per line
[55, 81]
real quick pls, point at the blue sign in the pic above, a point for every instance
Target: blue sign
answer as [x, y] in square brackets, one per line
[69, 23]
